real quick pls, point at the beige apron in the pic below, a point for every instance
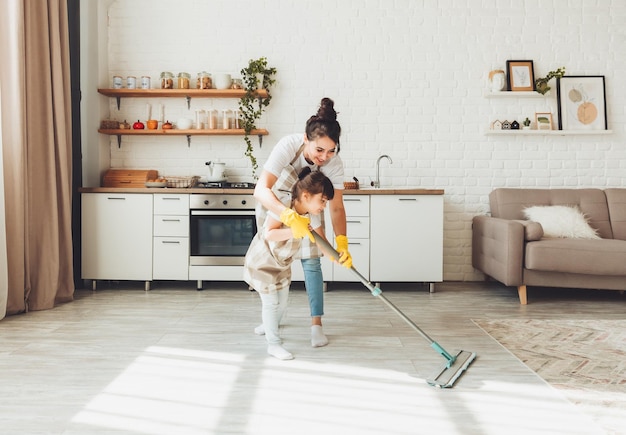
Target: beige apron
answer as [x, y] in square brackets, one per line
[282, 190]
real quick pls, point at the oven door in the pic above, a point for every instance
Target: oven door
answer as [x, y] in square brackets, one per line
[220, 237]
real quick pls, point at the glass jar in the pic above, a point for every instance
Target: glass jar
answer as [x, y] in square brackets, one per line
[212, 119]
[183, 80]
[204, 80]
[167, 80]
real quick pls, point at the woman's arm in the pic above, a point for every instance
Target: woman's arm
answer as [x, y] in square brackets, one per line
[263, 193]
[338, 213]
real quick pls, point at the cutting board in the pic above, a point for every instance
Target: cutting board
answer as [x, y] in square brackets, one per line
[128, 177]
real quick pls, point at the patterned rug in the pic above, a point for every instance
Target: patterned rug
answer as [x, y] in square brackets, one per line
[584, 359]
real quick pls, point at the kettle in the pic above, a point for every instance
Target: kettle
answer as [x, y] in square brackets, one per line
[216, 171]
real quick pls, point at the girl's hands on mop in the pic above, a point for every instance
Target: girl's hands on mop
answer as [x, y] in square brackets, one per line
[345, 259]
[298, 224]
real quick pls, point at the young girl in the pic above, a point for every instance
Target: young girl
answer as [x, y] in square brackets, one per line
[268, 261]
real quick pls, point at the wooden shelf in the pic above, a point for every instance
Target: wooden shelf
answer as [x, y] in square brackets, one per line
[514, 94]
[177, 132]
[547, 132]
[185, 93]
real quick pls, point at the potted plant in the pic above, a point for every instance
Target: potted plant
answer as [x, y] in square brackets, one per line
[257, 75]
[541, 84]
[526, 123]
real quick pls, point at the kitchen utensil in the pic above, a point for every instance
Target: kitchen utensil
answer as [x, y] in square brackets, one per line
[216, 171]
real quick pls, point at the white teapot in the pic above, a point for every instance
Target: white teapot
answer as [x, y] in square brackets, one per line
[216, 171]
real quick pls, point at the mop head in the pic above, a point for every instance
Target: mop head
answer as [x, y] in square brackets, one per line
[450, 372]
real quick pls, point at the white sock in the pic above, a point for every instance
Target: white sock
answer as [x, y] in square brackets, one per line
[318, 339]
[277, 351]
[259, 330]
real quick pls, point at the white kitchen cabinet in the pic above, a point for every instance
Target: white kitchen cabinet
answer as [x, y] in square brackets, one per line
[406, 238]
[358, 229]
[171, 237]
[116, 237]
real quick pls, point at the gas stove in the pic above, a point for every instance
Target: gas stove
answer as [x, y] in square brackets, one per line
[225, 185]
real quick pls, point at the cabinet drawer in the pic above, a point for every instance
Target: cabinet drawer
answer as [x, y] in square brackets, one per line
[171, 204]
[171, 225]
[357, 205]
[358, 227]
[171, 258]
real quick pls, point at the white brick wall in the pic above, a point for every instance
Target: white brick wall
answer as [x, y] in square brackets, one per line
[407, 77]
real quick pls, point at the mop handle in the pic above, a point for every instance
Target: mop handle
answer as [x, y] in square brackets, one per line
[378, 292]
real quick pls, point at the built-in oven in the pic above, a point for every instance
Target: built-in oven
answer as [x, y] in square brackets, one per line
[221, 227]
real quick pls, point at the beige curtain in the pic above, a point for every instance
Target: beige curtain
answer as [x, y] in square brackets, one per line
[36, 151]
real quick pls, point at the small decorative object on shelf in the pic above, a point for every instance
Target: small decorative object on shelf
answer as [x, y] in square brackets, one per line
[541, 84]
[543, 120]
[496, 80]
[526, 124]
[496, 125]
[520, 75]
[506, 125]
[515, 125]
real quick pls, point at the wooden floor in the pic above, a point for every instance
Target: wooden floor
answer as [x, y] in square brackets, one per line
[179, 361]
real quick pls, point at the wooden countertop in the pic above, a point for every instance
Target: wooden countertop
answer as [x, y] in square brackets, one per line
[173, 190]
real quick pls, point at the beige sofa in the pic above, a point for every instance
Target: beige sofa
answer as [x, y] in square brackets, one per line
[513, 250]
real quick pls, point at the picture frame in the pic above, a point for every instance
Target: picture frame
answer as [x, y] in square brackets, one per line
[581, 103]
[543, 121]
[520, 75]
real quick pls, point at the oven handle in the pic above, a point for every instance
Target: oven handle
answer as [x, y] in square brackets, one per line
[222, 212]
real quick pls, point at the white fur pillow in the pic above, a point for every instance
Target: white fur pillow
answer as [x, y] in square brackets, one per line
[561, 221]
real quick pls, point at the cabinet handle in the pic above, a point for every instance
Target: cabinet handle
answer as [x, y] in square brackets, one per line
[351, 199]
[171, 220]
[170, 241]
[167, 198]
[407, 199]
[354, 243]
[353, 222]
[116, 197]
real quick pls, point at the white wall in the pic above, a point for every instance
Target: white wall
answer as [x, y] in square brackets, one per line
[407, 77]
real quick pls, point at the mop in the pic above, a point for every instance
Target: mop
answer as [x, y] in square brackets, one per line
[453, 367]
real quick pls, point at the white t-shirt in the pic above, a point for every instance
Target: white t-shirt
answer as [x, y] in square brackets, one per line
[284, 152]
[286, 149]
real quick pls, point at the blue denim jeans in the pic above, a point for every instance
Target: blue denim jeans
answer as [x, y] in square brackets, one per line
[314, 283]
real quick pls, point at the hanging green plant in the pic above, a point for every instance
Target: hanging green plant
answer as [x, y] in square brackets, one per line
[541, 84]
[257, 75]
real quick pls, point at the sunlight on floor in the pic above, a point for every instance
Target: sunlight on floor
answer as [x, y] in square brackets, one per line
[174, 390]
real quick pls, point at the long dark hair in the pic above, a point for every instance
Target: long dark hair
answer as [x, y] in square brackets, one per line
[313, 182]
[324, 123]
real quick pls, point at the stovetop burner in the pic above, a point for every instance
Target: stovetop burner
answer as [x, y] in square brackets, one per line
[226, 185]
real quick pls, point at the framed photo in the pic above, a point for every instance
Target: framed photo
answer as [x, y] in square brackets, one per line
[581, 102]
[543, 120]
[520, 75]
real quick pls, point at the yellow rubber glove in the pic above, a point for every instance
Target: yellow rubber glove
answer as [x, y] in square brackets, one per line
[345, 258]
[299, 224]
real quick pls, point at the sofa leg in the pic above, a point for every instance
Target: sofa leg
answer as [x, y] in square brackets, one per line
[521, 291]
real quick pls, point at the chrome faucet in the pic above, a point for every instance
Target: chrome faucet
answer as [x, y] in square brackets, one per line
[376, 183]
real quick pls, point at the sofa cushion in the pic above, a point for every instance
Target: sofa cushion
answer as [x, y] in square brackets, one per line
[616, 200]
[561, 221]
[532, 230]
[581, 256]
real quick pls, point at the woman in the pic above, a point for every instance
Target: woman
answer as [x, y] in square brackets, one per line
[267, 267]
[316, 149]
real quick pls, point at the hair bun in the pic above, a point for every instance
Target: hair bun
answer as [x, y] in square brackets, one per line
[327, 110]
